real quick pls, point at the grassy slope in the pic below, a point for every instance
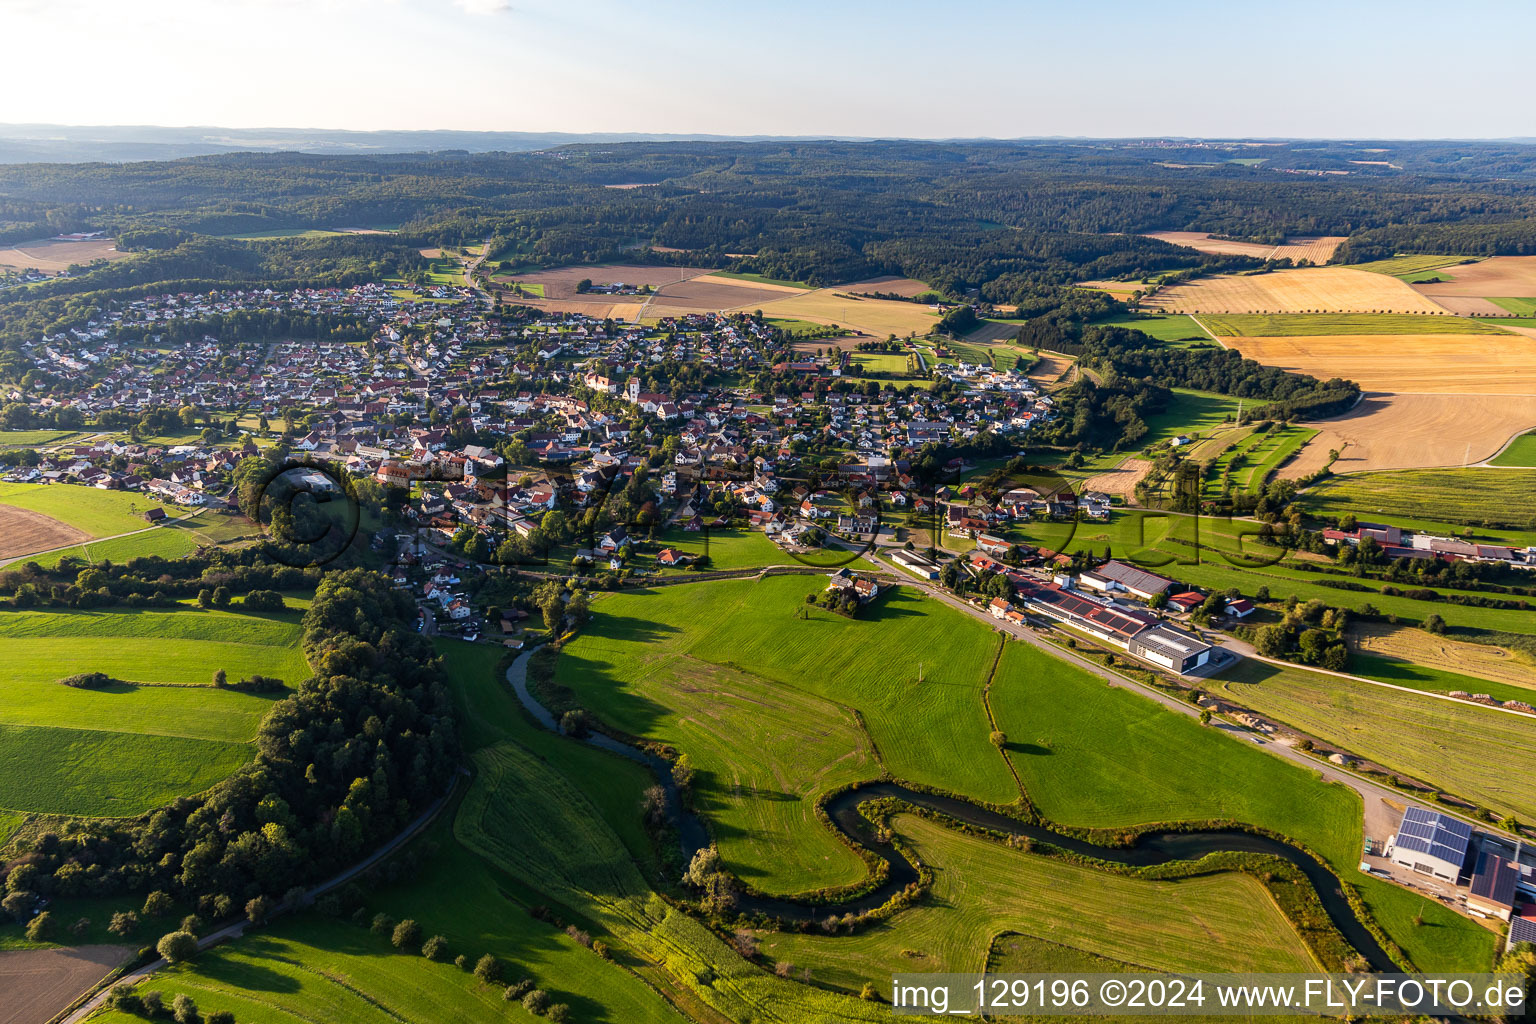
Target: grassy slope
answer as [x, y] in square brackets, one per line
[1466, 748]
[764, 710]
[1093, 755]
[1521, 452]
[1178, 329]
[1222, 922]
[1400, 672]
[1281, 325]
[125, 748]
[97, 512]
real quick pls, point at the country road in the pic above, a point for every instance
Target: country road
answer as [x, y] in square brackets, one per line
[237, 929]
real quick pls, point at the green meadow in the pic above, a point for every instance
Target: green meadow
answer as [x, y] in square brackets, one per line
[1410, 268]
[1520, 453]
[99, 513]
[1096, 755]
[1462, 497]
[764, 702]
[1175, 329]
[1465, 748]
[1216, 922]
[1280, 325]
[159, 731]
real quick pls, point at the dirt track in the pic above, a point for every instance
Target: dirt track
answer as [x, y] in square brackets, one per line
[38, 983]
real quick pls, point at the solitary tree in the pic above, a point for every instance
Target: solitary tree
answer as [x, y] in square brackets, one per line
[177, 946]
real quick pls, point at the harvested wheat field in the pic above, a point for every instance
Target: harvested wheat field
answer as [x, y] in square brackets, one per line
[1317, 250]
[23, 531]
[1485, 364]
[1415, 432]
[39, 983]
[560, 283]
[1467, 305]
[1498, 276]
[906, 287]
[1308, 290]
[1119, 289]
[1481, 660]
[879, 317]
[1048, 367]
[53, 257]
[710, 292]
[1121, 480]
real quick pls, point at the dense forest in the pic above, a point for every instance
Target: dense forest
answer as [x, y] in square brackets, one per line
[1009, 222]
[341, 765]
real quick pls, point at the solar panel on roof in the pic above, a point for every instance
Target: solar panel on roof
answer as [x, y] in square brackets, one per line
[1522, 929]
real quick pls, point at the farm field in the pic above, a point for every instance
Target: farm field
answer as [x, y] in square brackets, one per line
[1264, 457]
[1178, 330]
[1438, 680]
[1222, 921]
[1100, 756]
[1498, 275]
[934, 732]
[560, 282]
[1465, 497]
[763, 752]
[1520, 453]
[106, 774]
[876, 317]
[1318, 250]
[50, 257]
[132, 745]
[711, 292]
[34, 438]
[1443, 654]
[95, 512]
[1521, 306]
[1284, 325]
[1308, 290]
[1414, 431]
[759, 279]
[905, 286]
[39, 983]
[1495, 364]
[1409, 268]
[1463, 747]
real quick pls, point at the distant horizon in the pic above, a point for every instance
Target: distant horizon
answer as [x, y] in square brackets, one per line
[978, 69]
[6, 128]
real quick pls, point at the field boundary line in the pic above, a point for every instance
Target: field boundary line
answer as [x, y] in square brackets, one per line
[1199, 323]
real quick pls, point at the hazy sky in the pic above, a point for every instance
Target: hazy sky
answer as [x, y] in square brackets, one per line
[1356, 68]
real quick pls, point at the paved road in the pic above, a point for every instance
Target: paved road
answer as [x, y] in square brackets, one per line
[469, 274]
[234, 931]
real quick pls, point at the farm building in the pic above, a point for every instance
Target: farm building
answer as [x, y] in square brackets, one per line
[1493, 886]
[1522, 926]
[1170, 647]
[1117, 576]
[916, 564]
[1430, 843]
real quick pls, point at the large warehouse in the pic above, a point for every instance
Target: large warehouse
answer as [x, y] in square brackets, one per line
[1431, 844]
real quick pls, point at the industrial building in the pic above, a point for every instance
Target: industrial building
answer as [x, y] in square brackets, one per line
[1431, 843]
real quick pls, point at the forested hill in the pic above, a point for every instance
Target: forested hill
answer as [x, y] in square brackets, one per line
[1005, 219]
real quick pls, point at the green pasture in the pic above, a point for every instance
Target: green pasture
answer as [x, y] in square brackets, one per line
[1521, 453]
[1465, 748]
[1178, 330]
[1461, 497]
[1097, 755]
[1280, 325]
[1217, 922]
[98, 512]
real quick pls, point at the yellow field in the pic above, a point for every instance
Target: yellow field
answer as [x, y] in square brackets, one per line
[1317, 250]
[1309, 290]
[878, 317]
[1484, 364]
[1481, 660]
[1415, 432]
[51, 257]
